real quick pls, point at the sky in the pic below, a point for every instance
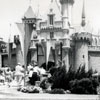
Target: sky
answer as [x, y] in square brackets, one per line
[11, 11]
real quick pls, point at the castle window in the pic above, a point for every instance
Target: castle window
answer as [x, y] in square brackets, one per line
[51, 19]
[83, 56]
[51, 35]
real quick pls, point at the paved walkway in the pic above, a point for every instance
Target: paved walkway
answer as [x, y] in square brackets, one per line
[11, 93]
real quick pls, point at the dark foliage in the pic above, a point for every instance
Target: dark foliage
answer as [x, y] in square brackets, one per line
[79, 82]
[49, 65]
[84, 86]
[43, 84]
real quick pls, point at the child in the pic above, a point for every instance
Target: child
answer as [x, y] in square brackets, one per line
[8, 76]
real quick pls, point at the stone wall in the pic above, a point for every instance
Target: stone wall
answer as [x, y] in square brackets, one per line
[81, 54]
[94, 60]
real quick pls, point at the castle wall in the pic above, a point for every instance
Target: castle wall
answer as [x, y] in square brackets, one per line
[59, 34]
[81, 54]
[65, 56]
[33, 55]
[73, 58]
[13, 61]
[19, 56]
[5, 61]
[94, 60]
[47, 34]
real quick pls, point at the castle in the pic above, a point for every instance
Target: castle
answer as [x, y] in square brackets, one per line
[55, 38]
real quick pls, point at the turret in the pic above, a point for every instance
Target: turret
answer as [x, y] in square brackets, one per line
[66, 10]
[70, 13]
[26, 28]
[82, 40]
[66, 15]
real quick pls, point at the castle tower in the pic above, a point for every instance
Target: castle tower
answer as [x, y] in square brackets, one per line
[82, 40]
[66, 14]
[70, 11]
[26, 28]
[67, 10]
[64, 11]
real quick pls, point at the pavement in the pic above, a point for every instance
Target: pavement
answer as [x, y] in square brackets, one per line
[11, 93]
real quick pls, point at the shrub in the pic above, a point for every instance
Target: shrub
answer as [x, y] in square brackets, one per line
[79, 81]
[58, 79]
[84, 86]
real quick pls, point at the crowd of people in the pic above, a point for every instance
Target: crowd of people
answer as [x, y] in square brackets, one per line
[27, 75]
[21, 75]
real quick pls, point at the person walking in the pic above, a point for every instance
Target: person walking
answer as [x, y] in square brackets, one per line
[19, 74]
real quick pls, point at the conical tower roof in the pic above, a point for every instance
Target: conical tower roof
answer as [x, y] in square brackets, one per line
[29, 13]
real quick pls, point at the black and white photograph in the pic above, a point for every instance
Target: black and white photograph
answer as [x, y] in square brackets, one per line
[49, 49]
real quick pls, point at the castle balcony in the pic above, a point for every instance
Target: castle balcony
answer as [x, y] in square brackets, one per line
[58, 24]
[93, 48]
[56, 27]
[65, 42]
[83, 36]
[43, 25]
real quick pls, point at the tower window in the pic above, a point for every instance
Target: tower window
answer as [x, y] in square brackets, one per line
[51, 35]
[51, 20]
[83, 56]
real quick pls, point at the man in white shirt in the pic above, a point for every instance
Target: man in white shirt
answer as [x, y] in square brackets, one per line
[42, 70]
[19, 73]
[36, 69]
[29, 67]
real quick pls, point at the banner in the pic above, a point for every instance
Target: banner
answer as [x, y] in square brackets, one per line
[9, 50]
[21, 36]
[25, 37]
[48, 48]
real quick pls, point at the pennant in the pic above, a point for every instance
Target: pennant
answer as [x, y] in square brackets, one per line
[25, 38]
[9, 50]
[21, 36]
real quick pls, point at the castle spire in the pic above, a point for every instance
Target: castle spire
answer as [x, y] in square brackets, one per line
[83, 23]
